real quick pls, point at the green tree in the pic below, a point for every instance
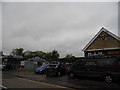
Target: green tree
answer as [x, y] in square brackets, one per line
[17, 52]
[52, 56]
[40, 53]
[55, 55]
[29, 54]
[47, 56]
[69, 56]
[34, 53]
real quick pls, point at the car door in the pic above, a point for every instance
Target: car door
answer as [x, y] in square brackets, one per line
[80, 69]
[91, 68]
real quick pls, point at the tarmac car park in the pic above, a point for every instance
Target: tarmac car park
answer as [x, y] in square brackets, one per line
[64, 80]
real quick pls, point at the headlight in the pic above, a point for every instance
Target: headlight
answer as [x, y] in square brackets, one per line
[41, 70]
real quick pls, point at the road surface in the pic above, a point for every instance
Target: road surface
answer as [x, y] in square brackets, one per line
[15, 82]
[81, 83]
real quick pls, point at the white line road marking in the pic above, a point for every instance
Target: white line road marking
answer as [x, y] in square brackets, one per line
[3, 86]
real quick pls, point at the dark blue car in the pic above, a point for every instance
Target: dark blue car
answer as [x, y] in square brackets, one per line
[41, 69]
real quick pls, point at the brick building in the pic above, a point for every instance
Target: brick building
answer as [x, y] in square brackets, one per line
[104, 43]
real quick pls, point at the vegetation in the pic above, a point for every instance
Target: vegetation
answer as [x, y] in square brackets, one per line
[70, 56]
[17, 52]
[53, 55]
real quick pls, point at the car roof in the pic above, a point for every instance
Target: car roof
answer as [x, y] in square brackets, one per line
[97, 59]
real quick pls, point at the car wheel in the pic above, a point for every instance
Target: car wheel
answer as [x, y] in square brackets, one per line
[108, 79]
[71, 75]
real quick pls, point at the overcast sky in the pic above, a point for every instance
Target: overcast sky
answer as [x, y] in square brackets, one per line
[65, 27]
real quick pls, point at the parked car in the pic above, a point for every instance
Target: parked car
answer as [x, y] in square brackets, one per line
[107, 68]
[55, 69]
[41, 69]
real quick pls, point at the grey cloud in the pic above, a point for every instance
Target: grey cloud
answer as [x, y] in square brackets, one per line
[67, 27]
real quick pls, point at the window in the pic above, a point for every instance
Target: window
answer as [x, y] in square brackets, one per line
[106, 62]
[90, 64]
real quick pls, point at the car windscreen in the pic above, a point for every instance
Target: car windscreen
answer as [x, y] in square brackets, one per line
[43, 66]
[52, 66]
[105, 62]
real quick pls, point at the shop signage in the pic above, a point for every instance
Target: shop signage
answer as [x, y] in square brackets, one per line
[94, 53]
[103, 53]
